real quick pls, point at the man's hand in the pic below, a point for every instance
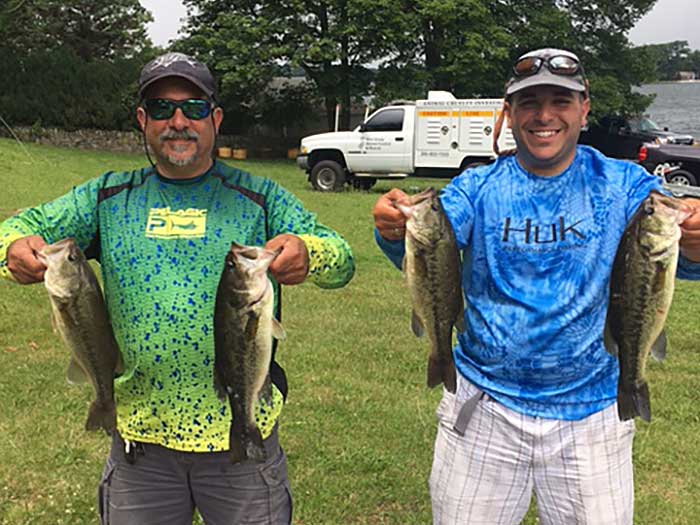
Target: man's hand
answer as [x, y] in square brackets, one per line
[292, 264]
[22, 261]
[690, 232]
[388, 220]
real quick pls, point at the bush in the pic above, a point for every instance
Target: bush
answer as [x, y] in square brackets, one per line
[61, 90]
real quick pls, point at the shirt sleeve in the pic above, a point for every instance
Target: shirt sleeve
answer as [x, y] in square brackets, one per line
[459, 210]
[640, 184]
[71, 215]
[331, 263]
[687, 269]
[394, 250]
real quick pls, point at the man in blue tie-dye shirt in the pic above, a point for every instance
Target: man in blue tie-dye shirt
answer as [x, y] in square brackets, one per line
[538, 231]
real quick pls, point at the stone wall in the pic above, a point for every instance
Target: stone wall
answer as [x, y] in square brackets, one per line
[260, 142]
[92, 139]
[132, 141]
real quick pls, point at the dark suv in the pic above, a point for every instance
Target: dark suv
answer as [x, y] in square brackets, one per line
[622, 137]
[684, 162]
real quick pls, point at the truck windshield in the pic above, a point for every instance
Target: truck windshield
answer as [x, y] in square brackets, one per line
[644, 124]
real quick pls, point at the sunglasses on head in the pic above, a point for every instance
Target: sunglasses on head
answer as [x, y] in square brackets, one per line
[558, 65]
[163, 108]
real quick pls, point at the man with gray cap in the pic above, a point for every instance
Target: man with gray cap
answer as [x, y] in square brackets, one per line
[535, 403]
[161, 235]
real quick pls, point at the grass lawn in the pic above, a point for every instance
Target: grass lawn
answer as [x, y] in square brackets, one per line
[359, 423]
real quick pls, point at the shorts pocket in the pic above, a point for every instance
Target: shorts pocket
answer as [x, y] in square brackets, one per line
[445, 412]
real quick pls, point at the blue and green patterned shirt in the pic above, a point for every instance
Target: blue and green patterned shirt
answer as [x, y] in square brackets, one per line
[161, 245]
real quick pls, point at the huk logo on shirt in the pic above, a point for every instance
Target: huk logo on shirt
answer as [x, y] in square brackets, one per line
[528, 232]
[166, 224]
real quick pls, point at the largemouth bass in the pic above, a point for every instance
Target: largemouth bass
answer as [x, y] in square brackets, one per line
[243, 329]
[431, 268]
[80, 316]
[641, 290]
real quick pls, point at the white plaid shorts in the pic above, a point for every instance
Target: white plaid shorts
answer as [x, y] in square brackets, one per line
[580, 471]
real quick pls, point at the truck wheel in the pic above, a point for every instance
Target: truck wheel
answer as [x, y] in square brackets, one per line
[681, 177]
[327, 175]
[363, 183]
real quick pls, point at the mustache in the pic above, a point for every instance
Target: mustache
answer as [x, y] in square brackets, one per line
[178, 135]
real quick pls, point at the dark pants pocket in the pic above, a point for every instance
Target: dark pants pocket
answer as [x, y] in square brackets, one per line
[103, 491]
[279, 493]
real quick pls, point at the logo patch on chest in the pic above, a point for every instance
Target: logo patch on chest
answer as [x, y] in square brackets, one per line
[163, 223]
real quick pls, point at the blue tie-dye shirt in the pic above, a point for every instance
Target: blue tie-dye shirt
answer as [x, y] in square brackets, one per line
[537, 256]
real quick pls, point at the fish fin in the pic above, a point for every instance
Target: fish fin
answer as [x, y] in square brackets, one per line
[278, 330]
[119, 365]
[658, 349]
[220, 386]
[442, 371]
[417, 325]
[633, 401]
[75, 373]
[609, 341]
[54, 322]
[459, 322]
[102, 415]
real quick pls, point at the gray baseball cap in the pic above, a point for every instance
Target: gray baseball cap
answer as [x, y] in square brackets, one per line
[178, 65]
[547, 67]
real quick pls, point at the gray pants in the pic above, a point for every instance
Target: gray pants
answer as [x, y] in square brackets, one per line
[154, 485]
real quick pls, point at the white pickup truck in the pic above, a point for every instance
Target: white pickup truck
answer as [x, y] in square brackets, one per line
[437, 137]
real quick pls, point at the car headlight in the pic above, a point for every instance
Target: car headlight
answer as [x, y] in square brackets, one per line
[304, 150]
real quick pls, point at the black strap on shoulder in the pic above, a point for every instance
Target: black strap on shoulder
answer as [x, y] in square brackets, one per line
[277, 375]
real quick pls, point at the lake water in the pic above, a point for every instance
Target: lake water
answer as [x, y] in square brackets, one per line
[677, 106]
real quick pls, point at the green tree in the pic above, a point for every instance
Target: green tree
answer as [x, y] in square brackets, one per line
[596, 32]
[453, 45]
[465, 46]
[93, 29]
[332, 40]
[669, 58]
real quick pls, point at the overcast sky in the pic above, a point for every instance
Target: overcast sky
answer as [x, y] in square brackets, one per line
[669, 20]
[167, 16]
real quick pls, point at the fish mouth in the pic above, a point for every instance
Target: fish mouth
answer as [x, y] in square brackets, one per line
[670, 206]
[56, 247]
[406, 205]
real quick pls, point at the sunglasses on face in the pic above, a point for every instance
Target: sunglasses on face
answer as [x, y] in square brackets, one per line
[558, 65]
[163, 108]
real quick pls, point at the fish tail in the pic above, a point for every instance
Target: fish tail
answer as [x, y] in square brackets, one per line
[442, 371]
[102, 415]
[236, 440]
[246, 442]
[632, 401]
[256, 449]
